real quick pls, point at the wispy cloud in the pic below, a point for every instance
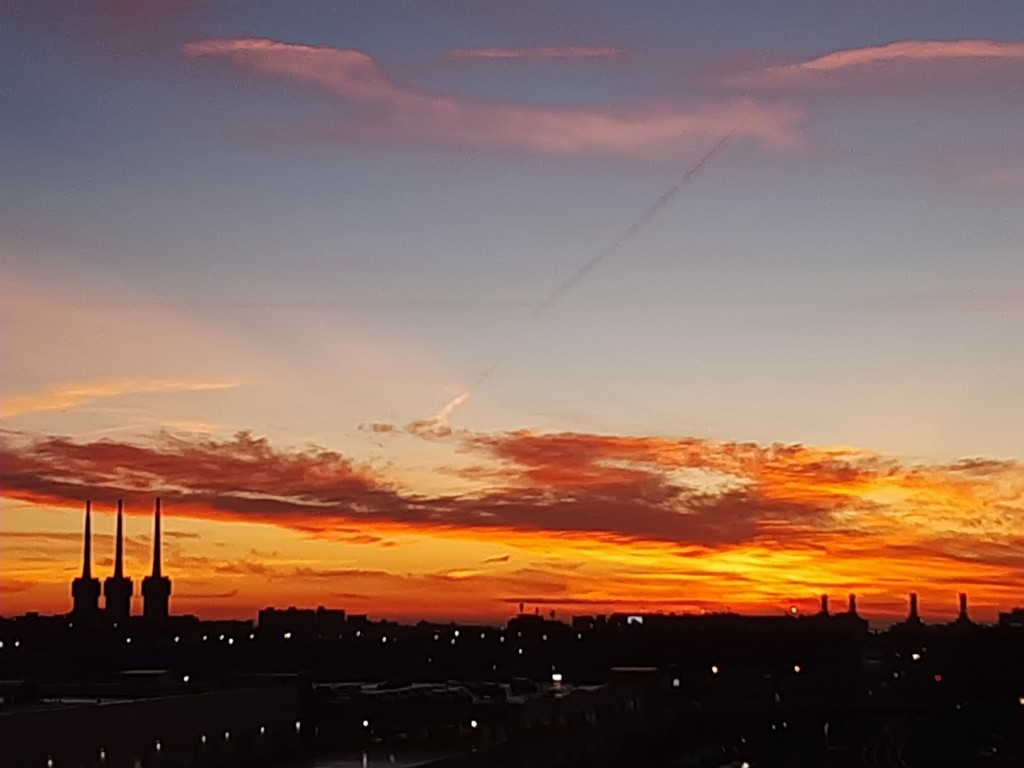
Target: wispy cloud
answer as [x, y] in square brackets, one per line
[916, 50]
[904, 59]
[74, 395]
[385, 110]
[539, 52]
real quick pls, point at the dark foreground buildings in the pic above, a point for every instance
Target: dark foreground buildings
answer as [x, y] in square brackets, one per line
[101, 688]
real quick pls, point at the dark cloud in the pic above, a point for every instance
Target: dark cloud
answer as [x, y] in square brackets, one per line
[601, 487]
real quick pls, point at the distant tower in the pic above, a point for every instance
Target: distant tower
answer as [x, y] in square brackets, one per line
[156, 588]
[824, 605]
[913, 617]
[85, 590]
[963, 618]
[117, 590]
[853, 604]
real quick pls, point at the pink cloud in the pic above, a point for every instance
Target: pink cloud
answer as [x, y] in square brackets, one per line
[543, 52]
[916, 50]
[384, 109]
[908, 58]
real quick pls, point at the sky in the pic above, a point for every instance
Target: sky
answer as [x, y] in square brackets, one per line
[429, 308]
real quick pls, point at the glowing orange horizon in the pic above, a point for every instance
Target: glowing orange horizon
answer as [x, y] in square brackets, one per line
[571, 522]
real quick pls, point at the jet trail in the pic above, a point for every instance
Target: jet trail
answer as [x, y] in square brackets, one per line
[589, 266]
[441, 420]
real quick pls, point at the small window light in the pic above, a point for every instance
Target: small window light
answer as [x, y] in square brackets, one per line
[473, 724]
[263, 730]
[203, 738]
[796, 669]
[205, 638]
[227, 735]
[287, 635]
[186, 678]
[49, 762]
[158, 745]
[103, 754]
[915, 657]
[128, 640]
[520, 651]
[231, 641]
[384, 639]
[714, 669]
[456, 633]
[366, 723]
[221, 638]
[177, 638]
[675, 682]
[252, 635]
[298, 726]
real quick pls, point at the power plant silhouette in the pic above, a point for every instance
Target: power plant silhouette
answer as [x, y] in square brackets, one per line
[118, 589]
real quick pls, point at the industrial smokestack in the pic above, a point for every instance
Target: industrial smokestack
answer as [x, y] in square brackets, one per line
[853, 604]
[119, 543]
[913, 615]
[87, 548]
[824, 605]
[156, 542]
[963, 607]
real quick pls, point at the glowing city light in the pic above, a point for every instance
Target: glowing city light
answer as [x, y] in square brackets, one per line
[473, 724]
[714, 669]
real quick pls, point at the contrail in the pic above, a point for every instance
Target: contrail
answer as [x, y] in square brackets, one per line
[560, 290]
[590, 265]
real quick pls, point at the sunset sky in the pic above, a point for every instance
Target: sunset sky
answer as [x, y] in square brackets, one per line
[426, 308]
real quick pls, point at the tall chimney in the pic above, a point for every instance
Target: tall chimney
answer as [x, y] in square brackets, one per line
[87, 549]
[156, 588]
[156, 542]
[117, 590]
[963, 607]
[85, 590]
[119, 544]
[824, 605]
[853, 604]
[913, 615]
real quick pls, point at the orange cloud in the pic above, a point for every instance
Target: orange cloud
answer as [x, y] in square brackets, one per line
[613, 521]
[384, 109]
[541, 52]
[73, 395]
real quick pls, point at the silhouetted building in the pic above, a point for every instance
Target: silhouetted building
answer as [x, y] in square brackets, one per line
[302, 622]
[1012, 619]
[85, 590]
[117, 589]
[156, 588]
